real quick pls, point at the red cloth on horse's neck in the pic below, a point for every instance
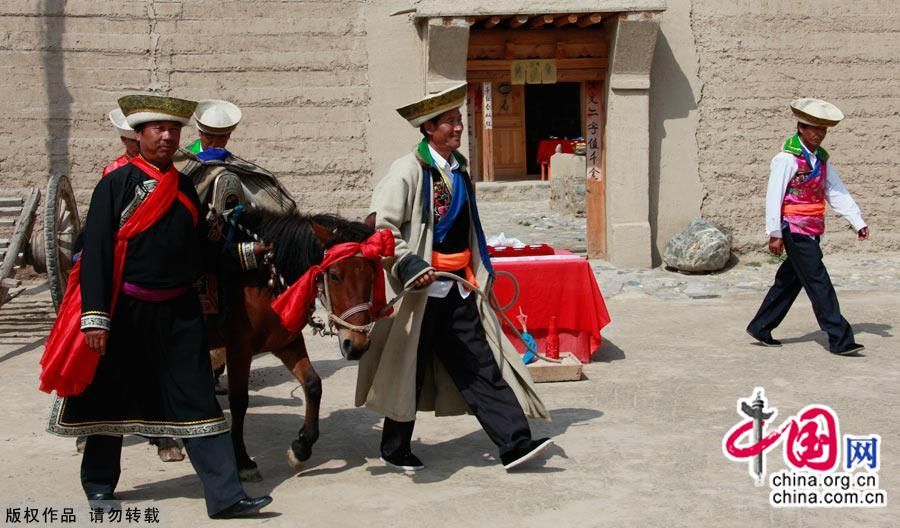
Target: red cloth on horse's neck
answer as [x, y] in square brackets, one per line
[292, 306]
[68, 363]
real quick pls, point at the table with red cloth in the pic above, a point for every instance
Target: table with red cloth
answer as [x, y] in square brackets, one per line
[547, 148]
[561, 285]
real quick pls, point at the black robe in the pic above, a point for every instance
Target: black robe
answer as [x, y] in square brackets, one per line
[155, 378]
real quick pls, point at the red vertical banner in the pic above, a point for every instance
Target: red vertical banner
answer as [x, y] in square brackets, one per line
[593, 99]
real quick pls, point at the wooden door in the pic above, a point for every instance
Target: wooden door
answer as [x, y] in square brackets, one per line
[509, 131]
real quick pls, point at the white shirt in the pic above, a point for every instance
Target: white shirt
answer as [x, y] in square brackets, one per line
[783, 168]
[441, 288]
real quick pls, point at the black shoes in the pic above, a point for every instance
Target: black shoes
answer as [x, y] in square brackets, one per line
[765, 340]
[519, 456]
[243, 508]
[849, 350]
[101, 500]
[404, 461]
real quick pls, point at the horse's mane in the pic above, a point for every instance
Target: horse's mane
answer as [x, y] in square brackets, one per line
[296, 247]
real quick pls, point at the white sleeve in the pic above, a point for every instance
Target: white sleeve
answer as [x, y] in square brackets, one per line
[840, 200]
[782, 170]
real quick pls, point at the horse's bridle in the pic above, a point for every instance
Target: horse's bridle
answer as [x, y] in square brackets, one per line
[341, 320]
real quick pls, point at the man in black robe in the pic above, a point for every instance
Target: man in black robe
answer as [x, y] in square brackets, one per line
[140, 312]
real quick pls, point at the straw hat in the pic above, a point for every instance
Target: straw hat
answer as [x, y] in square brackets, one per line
[816, 112]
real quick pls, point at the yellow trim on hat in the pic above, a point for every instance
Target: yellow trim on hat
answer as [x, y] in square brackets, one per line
[433, 105]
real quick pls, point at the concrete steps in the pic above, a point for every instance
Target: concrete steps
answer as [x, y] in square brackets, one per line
[513, 191]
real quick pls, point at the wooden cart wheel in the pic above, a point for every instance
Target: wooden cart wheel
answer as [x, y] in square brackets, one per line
[61, 227]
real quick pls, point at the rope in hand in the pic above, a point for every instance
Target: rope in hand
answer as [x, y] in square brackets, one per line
[492, 302]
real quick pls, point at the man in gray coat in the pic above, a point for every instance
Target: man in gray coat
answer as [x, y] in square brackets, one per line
[444, 349]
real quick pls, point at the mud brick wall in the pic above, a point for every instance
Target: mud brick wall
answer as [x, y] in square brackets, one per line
[297, 70]
[754, 57]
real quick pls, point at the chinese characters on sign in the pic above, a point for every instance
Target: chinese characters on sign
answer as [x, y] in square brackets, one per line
[488, 108]
[592, 101]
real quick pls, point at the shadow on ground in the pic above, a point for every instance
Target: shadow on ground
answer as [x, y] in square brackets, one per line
[608, 352]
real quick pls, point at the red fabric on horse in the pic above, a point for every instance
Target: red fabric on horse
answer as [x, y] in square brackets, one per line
[292, 306]
[68, 364]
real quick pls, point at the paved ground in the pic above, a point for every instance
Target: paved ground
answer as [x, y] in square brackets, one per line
[638, 441]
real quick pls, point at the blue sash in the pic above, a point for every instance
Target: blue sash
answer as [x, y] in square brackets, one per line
[461, 195]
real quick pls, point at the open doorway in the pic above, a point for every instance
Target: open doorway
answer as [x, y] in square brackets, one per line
[552, 111]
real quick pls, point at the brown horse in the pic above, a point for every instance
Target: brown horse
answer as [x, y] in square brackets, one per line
[251, 327]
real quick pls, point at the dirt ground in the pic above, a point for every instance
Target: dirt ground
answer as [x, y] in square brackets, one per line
[637, 442]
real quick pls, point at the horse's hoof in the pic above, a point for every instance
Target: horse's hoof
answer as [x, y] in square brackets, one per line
[301, 450]
[250, 475]
[170, 454]
[296, 464]
[79, 443]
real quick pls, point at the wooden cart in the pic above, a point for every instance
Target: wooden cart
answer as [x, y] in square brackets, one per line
[48, 250]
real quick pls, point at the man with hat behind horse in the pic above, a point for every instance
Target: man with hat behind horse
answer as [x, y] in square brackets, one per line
[126, 136]
[444, 351]
[221, 178]
[801, 180]
[128, 352]
[215, 120]
[225, 181]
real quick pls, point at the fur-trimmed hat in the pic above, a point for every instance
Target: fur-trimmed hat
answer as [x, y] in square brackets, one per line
[144, 108]
[117, 118]
[433, 105]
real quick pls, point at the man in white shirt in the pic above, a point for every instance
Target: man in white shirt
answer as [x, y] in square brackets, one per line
[801, 181]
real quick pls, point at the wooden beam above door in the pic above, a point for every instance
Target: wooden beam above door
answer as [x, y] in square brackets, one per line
[537, 21]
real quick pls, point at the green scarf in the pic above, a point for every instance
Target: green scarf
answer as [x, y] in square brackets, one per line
[795, 147]
[195, 147]
[425, 153]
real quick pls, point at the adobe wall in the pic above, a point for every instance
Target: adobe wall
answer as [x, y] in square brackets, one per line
[754, 58]
[298, 70]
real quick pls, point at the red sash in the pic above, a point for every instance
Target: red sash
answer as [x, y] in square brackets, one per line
[68, 363]
[292, 306]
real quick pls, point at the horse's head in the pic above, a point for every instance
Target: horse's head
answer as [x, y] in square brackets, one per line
[346, 289]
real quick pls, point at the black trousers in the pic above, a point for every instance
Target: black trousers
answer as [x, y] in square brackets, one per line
[452, 332]
[803, 269]
[212, 458]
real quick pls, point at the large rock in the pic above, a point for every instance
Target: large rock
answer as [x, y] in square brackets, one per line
[703, 246]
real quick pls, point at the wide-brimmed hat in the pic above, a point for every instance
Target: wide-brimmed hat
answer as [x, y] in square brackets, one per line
[144, 108]
[216, 117]
[117, 118]
[816, 112]
[433, 105]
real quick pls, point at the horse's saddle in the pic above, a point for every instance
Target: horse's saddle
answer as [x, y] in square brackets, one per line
[224, 185]
[233, 181]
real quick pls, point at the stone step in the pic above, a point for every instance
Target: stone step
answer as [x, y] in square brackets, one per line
[515, 191]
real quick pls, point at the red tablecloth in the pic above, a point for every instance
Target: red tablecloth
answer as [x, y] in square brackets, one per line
[562, 285]
[547, 148]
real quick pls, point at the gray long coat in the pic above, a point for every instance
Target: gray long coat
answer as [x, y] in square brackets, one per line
[387, 372]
